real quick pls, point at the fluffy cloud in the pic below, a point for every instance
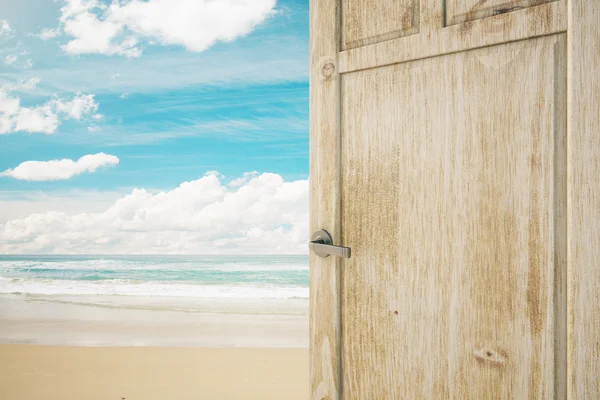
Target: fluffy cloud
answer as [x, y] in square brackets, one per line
[46, 34]
[28, 84]
[205, 216]
[115, 29]
[94, 35]
[43, 118]
[10, 59]
[80, 105]
[5, 29]
[243, 179]
[55, 170]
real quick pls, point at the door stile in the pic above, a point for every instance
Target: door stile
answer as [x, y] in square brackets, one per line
[583, 200]
[324, 305]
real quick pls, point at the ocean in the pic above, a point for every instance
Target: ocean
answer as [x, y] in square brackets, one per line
[174, 300]
[242, 277]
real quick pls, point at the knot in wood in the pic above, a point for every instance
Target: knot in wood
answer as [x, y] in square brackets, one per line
[328, 70]
[490, 357]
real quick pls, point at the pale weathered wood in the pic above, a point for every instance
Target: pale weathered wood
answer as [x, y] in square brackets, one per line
[441, 155]
[324, 343]
[560, 223]
[584, 200]
[432, 17]
[366, 21]
[531, 22]
[451, 180]
[459, 11]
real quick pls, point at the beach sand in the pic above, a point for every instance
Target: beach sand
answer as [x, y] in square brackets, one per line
[32, 372]
[87, 348]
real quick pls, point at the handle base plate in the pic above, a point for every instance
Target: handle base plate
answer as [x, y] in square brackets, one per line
[322, 244]
[323, 237]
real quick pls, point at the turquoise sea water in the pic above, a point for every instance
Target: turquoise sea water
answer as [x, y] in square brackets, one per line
[236, 277]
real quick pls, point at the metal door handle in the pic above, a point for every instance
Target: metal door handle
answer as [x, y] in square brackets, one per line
[321, 243]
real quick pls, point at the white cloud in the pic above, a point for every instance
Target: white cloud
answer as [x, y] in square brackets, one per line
[44, 118]
[18, 204]
[82, 104]
[5, 29]
[92, 35]
[237, 182]
[23, 85]
[28, 84]
[55, 170]
[46, 33]
[39, 119]
[195, 24]
[10, 59]
[265, 215]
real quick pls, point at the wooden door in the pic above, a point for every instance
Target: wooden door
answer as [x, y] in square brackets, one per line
[455, 148]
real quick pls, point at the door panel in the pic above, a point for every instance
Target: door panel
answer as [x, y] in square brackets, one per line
[451, 199]
[366, 22]
[459, 11]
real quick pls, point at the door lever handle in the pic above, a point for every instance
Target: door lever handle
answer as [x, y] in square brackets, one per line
[321, 243]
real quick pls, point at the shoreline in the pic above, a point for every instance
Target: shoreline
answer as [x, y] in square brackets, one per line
[27, 321]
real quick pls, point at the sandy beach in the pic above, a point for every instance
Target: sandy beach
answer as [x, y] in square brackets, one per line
[89, 348]
[59, 349]
[32, 372]
[85, 329]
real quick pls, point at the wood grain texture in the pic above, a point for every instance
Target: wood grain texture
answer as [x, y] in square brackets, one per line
[459, 11]
[366, 21]
[522, 24]
[432, 17]
[324, 318]
[453, 198]
[584, 200]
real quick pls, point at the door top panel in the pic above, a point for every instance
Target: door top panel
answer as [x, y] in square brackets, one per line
[366, 21]
[482, 26]
[458, 11]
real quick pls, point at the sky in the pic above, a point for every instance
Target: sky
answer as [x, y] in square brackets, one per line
[153, 126]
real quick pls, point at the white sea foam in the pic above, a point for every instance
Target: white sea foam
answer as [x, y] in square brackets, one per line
[122, 287]
[117, 265]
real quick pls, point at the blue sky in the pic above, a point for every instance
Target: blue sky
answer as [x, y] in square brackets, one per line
[170, 114]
